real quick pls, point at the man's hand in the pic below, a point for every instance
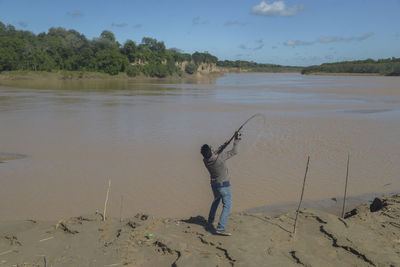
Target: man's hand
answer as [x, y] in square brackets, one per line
[238, 135]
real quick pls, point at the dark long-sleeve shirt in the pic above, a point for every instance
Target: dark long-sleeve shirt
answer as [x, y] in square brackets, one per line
[216, 164]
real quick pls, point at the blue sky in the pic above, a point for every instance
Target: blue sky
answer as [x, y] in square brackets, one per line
[283, 32]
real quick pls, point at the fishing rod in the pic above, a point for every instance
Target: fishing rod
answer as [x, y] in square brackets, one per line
[237, 133]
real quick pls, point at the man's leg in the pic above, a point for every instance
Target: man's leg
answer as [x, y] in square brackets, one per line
[214, 205]
[226, 195]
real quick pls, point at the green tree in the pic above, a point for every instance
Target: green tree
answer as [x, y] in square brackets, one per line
[10, 51]
[3, 29]
[132, 71]
[130, 50]
[154, 45]
[62, 49]
[190, 68]
[107, 35]
[111, 61]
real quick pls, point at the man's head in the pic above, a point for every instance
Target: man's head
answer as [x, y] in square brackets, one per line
[206, 151]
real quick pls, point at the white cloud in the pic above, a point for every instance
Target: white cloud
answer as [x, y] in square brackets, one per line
[119, 25]
[259, 45]
[297, 43]
[328, 40]
[277, 8]
[235, 22]
[364, 36]
[197, 21]
[75, 14]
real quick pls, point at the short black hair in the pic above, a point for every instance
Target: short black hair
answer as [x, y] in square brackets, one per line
[206, 151]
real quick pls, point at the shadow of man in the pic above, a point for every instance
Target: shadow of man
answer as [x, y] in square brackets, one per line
[200, 220]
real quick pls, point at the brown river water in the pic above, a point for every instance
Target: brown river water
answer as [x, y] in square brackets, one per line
[146, 136]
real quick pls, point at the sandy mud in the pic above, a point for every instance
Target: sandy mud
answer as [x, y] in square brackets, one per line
[368, 236]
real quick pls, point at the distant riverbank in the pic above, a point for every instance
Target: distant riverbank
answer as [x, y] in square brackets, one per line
[348, 74]
[87, 75]
[19, 78]
[380, 67]
[10, 77]
[47, 79]
[343, 74]
[83, 75]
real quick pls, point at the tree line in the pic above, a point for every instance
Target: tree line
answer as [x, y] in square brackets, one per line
[61, 49]
[257, 67]
[389, 67]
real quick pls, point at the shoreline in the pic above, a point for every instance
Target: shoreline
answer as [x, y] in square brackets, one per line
[76, 81]
[346, 74]
[8, 77]
[88, 76]
[333, 205]
[84, 75]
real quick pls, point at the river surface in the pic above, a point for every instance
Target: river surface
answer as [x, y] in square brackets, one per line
[146, 136]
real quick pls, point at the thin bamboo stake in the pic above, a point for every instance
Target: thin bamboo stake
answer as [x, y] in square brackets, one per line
[345, 187]
[45, 239]
[6, 252]
[105, 203]
[120, 211]
[301, 198]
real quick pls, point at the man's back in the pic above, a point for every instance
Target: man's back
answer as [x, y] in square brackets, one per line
[216, 164]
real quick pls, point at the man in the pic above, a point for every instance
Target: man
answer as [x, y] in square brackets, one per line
[215, 164]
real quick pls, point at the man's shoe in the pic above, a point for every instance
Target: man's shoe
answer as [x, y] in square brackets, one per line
[223, 232]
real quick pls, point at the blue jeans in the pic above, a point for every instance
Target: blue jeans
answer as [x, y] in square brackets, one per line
[225, 194]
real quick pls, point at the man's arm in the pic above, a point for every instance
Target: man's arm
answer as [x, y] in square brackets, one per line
[228, 154]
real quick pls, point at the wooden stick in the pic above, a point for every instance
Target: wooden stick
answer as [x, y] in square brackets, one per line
[301, 198]
[345, 187]
[6, 252]
[45, 261]
[120, 211]
[45, 239]
[105, 203]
